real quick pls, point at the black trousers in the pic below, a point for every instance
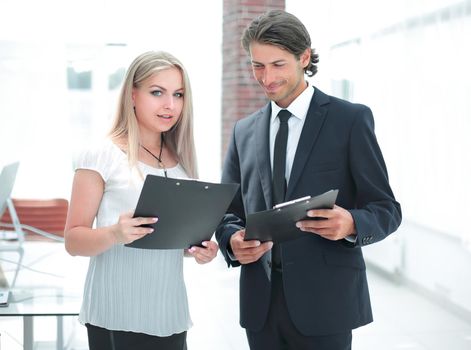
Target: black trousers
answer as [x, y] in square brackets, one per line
[104, 339]
[279, 332]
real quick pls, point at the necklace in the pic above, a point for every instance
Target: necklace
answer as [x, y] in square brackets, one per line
[159, 158]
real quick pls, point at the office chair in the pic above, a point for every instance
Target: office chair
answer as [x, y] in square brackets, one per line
[27, 215]
[45, 218]
[7, 181]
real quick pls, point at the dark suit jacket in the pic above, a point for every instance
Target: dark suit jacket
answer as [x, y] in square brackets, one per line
[324, 281]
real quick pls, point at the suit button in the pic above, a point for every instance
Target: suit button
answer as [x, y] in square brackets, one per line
[269, 263]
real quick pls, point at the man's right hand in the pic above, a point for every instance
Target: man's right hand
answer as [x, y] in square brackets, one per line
[247, 252]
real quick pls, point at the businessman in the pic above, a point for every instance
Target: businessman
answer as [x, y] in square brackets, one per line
[309, 292]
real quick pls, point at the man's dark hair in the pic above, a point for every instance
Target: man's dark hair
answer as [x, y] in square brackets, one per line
[282, 29]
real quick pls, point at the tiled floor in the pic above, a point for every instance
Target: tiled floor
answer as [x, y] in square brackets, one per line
[403, 320]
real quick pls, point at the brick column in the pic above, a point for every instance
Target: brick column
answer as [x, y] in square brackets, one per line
[241, 94]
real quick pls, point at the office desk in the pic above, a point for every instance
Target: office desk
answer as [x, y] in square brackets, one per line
[49, 283]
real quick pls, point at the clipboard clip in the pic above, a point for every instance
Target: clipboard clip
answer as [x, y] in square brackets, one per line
[206, 186]
[281, 205]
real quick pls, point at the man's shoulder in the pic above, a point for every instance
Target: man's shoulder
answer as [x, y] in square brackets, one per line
[343, 111]
[338, 102]
[249, 120]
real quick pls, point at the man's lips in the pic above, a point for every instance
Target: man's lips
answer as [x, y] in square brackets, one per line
[272, 87]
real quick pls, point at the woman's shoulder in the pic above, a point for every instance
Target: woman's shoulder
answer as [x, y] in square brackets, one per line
[103, 148]
[99, 156]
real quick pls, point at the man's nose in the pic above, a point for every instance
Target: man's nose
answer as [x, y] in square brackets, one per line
[268, 76]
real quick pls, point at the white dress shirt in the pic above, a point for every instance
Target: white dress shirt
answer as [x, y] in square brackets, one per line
[298, 108]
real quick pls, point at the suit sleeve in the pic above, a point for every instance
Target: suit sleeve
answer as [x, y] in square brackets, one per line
[234, 220]
[377, 213]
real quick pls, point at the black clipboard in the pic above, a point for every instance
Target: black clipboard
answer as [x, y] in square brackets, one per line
[279, 224]
[188, 211]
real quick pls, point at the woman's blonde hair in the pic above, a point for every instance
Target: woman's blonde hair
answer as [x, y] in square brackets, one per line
[125, 128]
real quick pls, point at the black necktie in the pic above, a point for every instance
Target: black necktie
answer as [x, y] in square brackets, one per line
[279, 158]
[279, 169]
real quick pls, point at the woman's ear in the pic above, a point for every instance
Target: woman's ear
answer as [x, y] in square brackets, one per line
[133, 93]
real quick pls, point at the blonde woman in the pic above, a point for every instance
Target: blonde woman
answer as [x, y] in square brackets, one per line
[135, 298]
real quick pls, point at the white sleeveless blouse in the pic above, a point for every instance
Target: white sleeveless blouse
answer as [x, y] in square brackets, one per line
[129, 289]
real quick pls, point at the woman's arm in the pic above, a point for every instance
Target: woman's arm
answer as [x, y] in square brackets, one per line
[80, 237]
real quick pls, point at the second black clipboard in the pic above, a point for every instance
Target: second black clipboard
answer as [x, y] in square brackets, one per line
[279, 224]
[188, 211]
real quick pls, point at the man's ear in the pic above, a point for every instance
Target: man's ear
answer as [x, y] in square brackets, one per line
[305, 57]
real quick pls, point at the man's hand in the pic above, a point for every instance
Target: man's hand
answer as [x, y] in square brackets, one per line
[206, 254]
[247, 252]
[337, 223]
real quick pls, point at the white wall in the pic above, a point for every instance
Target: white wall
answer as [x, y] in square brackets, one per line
[43, 124]
[409, 61]
[32, 106]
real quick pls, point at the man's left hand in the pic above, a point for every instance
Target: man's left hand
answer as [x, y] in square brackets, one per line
[333, 224]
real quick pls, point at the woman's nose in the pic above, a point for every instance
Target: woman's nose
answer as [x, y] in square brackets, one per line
[169, 102]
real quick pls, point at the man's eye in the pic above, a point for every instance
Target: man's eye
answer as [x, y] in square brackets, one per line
[156, 93]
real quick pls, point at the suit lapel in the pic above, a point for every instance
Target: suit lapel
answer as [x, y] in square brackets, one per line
[314, 119]
[262, 152]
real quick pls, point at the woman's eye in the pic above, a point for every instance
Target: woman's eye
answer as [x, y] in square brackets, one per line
[179, 94]
[156, 93]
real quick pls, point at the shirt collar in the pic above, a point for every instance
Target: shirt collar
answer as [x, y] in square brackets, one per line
[298, 108]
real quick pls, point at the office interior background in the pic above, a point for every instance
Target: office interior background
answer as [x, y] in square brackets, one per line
[62, 62]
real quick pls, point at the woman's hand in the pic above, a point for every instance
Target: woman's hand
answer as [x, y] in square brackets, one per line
[206, 254]
[127, 229]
